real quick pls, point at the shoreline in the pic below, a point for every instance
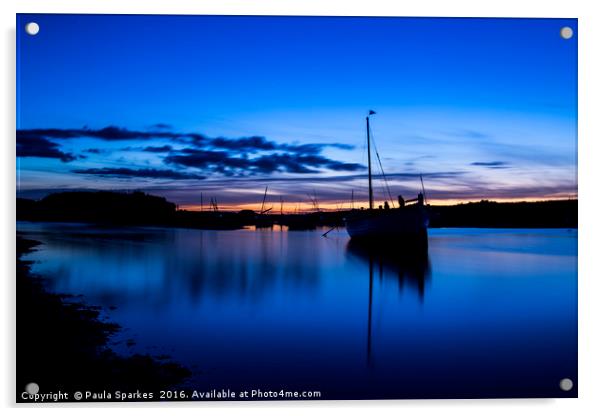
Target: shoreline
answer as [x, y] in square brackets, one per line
[138, 209]
[63, 344]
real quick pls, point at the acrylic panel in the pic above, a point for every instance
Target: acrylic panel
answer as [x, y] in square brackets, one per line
[295, 208]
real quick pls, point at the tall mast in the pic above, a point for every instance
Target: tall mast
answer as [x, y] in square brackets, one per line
[263, 202]
[423, 191]
[371, 196]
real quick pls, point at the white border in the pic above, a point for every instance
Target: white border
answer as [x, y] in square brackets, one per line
[590, 136]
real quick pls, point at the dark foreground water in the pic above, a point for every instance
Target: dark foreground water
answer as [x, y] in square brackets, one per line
[487, 313]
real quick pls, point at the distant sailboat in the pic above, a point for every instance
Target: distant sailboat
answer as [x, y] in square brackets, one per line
[262, 219]
[405, 224]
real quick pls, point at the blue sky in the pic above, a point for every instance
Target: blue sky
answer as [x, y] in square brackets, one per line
[179, 105]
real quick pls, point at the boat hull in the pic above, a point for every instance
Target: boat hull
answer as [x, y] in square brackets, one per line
[405, 223]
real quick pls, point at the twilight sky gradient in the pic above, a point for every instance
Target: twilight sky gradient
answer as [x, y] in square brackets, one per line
[223, 106]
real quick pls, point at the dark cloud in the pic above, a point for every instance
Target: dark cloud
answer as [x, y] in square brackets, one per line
[138, 173]
[110, 133]
[94, 151]
[158, 149]
[32, 145]
[230, 163]
[247, 144]
[244, 156]
[255, 144]
[342, 166]
[300, 163]
[285, 163]
[221, 161]
[229, 156]
[492, 165]
[313, 148]
[161, 126]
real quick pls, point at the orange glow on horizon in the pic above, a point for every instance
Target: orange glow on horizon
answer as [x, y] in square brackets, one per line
[305, 207]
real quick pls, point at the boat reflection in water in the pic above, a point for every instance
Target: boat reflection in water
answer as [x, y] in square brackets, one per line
[409, 265]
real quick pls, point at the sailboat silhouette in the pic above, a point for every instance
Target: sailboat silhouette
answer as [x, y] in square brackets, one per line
[407, 223]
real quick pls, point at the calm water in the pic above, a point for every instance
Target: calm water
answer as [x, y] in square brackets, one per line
[489, 313]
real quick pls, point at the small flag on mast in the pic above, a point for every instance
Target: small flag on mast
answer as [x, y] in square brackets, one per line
[371, 112]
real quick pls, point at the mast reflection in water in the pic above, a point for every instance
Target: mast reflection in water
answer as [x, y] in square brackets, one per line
[408, 265]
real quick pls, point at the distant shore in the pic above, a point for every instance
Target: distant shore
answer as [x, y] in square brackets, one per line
[137, 208]
[63, 344]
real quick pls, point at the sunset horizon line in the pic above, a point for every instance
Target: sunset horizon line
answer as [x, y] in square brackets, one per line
[308, 207]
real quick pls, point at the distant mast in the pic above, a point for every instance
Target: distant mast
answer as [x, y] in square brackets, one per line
[264, 197]
[370, 194]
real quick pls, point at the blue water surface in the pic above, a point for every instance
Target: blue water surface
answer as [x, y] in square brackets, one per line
[487, 313]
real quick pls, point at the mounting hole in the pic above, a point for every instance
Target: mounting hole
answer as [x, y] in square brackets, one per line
[32, 388]
[566, 384]
[566, 32]
[32, 28]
